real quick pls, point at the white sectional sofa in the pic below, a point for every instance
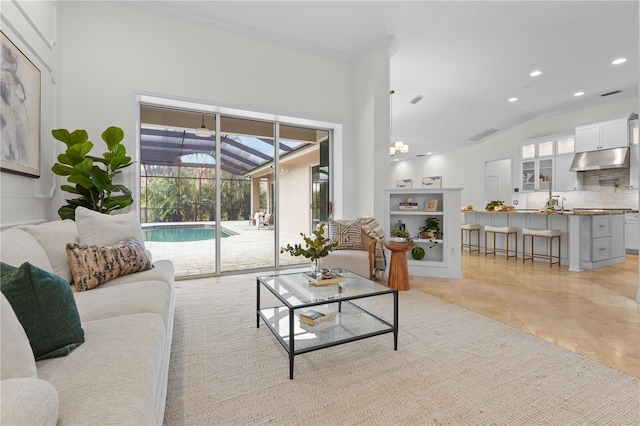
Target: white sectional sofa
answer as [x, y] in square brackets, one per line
[119, 374]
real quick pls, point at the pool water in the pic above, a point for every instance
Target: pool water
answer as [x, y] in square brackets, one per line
[181, 234]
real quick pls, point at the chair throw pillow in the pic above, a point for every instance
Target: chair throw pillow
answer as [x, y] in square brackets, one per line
[46, 308]
[94, 265]
[347, 234]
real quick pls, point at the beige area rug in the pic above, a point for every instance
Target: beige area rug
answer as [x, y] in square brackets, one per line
[452, 366]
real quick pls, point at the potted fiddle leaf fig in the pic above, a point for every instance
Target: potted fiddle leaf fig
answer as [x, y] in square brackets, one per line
[91, 177]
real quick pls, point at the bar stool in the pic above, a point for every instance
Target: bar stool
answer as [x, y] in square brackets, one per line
[549, 234]
[470, 229]
[507, 231]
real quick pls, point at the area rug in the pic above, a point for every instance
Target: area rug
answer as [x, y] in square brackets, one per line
[452, 366]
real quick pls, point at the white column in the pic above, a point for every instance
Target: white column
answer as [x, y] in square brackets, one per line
[370, 147]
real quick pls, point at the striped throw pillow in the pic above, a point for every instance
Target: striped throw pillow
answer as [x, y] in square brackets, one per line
[348, 235]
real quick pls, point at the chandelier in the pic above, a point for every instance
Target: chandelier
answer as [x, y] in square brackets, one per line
[397, 148]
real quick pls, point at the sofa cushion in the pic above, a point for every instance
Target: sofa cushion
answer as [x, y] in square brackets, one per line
[45, 307]
[134, 298]
[94, 265]
[348, 235]
[28, 401]
[356, 261]
[18, 246]
[98, 229]
[53, 237]
[112, 378]
[16, 358]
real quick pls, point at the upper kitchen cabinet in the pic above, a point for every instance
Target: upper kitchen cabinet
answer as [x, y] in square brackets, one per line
[539, 147]
[537, 174]
[565, 179]
[611, 133]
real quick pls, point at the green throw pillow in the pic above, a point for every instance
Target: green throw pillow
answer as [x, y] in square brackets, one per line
[46, 308]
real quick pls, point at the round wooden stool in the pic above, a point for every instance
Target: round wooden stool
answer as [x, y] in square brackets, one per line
[398, 267]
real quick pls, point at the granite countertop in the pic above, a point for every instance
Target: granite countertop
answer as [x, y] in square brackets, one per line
[594, 212]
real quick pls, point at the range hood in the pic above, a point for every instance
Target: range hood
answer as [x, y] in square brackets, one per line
[615, 158]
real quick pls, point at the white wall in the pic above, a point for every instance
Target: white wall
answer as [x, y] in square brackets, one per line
[465, 168]
[30, 26]
[110, 52]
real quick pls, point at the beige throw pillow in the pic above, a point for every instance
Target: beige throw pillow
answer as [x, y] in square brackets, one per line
[99, 229]
[53, 237]
[94, 265]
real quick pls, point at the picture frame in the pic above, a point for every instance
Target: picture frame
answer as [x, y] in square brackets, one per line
[404, 183]
[431, 205]
[432, 182]
[20, 112]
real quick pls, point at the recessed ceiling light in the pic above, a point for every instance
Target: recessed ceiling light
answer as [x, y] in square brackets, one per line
[619, 61]
[578, 94]
[535, 73]
[513, 99]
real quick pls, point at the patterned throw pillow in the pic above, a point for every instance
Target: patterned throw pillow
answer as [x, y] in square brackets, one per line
[93, 265]
[348, 235]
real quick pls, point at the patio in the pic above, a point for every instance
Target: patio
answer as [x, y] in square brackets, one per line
[248, 248]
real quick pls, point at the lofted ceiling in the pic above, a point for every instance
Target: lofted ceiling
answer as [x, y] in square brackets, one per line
[466, 59]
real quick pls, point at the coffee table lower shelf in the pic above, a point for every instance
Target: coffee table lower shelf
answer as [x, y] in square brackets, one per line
[350, 324]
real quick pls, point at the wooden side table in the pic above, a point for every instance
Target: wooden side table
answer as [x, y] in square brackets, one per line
[398, 268]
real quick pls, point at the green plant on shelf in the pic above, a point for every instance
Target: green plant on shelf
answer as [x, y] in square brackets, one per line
[430, 231]
[402, 233]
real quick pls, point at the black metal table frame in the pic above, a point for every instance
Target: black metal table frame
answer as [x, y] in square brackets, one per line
[290, 347]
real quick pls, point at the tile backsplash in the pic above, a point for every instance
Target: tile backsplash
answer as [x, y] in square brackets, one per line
[598, 192]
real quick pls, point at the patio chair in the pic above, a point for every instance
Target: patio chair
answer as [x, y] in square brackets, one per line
[267, 221]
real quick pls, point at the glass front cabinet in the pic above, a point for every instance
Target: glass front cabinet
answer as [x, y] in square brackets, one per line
[537, 174]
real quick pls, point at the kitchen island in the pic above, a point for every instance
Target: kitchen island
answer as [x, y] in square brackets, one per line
[590, 239]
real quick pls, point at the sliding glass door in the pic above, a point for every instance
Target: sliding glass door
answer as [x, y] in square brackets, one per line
[221, 194]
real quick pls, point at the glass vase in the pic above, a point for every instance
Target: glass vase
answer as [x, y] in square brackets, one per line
[316, 267]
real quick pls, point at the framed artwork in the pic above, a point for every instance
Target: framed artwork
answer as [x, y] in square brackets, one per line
[404, 183]
[431, 205]
[432, 182]
[20, 112]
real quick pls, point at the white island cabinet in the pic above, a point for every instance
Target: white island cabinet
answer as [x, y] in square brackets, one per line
[441, 259]
[589, 239]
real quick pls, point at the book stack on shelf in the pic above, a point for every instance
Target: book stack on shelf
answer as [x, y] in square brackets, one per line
[408, 206]
[313, 317]
[334, 278]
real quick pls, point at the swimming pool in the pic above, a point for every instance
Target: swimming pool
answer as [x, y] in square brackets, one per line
[178, 234]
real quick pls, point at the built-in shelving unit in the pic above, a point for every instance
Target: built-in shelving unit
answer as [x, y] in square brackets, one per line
[443, 259]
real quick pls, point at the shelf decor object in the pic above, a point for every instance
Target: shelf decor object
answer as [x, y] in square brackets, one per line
[431, 205]
[430, 182]
[404, 183]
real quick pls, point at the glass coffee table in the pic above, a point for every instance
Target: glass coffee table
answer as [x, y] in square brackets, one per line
[290, 294]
